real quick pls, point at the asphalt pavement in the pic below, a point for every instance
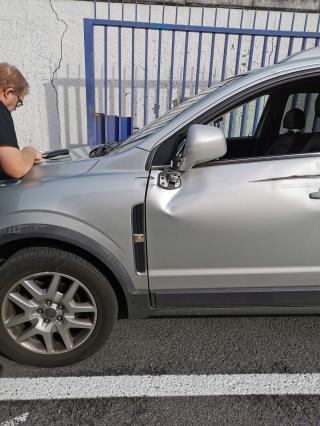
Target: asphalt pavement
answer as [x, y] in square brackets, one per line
[185, 346]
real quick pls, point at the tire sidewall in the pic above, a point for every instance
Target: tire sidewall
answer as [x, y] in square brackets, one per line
[75, 267]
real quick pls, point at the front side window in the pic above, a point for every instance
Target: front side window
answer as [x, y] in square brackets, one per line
[243, 120]
[160, 122]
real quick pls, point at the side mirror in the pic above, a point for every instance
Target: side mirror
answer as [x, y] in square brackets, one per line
[204, 143]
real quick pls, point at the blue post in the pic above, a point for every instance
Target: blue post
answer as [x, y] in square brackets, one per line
[173, 39]
[236, 71]
[159, 68]
[244, 110]
[90, 84]
[132, 69]
[186, 43]
[257, 107]
[212, 50]
[276, 55]
[304, 29]
[120, 82]
[223, 74]
[106, 139]
[146, 72]
[199, 56]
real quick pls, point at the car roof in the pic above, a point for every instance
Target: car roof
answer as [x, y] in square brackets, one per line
[312, 53]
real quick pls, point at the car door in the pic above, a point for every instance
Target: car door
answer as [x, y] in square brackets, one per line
[235, 233]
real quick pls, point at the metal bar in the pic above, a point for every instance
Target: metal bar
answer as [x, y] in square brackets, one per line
[231, 121]
[132, 72]
[106, 136]
[276, 55]
[95, 9]
[146, 68]
[315, 119]
[120, 82]
[199, 56]
[145, 79]
[185, 60]
[252, 43]
[304, 40]
[159, 68]
[239, 47]
[90, 85]
[213, 37]
[265, 44]
[204, 29]
[223, 73]
[258, 101]
[245, 107]
[173, 39]
[318, 29]
[291, 39]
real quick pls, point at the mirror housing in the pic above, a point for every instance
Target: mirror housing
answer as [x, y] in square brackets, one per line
[204, 143]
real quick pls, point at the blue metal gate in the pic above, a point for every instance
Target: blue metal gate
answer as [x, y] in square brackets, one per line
[238, 43]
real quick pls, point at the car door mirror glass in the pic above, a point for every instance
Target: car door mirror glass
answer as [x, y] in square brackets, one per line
[204, 143]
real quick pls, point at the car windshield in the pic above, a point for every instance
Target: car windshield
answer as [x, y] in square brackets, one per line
[160, 122]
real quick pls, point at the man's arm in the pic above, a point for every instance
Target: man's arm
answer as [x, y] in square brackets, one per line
[16, 163]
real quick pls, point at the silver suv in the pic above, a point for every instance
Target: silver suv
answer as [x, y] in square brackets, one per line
[214, 208]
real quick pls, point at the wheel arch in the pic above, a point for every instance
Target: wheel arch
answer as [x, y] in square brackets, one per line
[132, 303]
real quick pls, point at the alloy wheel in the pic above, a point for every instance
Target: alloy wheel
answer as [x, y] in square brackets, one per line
[49, 313]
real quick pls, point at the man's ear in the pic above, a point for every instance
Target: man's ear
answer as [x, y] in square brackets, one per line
[8, 92]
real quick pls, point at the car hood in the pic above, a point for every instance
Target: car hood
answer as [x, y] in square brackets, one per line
[76, 163]
[79, 163]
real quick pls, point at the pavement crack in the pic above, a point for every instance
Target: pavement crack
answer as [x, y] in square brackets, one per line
[54, 73]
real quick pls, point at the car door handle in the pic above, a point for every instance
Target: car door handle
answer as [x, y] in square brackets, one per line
[315, 195]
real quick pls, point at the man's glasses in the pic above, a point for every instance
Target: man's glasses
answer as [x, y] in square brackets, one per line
[19, 103]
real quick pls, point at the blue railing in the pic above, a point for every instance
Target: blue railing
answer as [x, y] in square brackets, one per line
[234, 35]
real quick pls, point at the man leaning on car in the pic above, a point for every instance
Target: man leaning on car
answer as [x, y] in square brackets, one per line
[14, 163]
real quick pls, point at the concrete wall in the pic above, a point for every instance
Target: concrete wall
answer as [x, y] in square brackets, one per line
[44, 38]
[285, 5]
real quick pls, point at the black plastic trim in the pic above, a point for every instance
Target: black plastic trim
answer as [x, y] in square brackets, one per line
[139, 248]
[226, 298]
[257, 159]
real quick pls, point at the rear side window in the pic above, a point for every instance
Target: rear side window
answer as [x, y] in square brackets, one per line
[305, 102]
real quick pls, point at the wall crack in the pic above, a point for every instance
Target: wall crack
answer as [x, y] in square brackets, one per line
[59, 19]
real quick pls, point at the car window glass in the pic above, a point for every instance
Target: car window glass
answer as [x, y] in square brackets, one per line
[160, 122]
[305, 102]
[243, 120]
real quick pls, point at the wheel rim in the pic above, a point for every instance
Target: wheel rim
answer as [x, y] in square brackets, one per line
[49, 313]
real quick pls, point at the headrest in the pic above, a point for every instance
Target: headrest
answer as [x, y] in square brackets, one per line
[317, 107]
[294, 119]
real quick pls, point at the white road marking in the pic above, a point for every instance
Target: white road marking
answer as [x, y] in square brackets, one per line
[16, 421]
[12, 389]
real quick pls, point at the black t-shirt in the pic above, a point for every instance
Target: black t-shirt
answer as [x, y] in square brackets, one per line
[7, 132]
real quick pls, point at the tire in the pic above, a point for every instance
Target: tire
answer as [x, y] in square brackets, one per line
[68, 307]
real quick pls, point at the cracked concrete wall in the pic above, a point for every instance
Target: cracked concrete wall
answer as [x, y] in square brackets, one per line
[286, 5]
[44, 38]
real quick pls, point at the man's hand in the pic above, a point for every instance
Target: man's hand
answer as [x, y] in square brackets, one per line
[37, 155]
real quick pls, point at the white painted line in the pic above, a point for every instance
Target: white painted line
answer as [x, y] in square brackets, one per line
[16, 421]
[158, 386]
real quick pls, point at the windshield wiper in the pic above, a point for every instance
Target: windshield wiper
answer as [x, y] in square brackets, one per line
[103, 150]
